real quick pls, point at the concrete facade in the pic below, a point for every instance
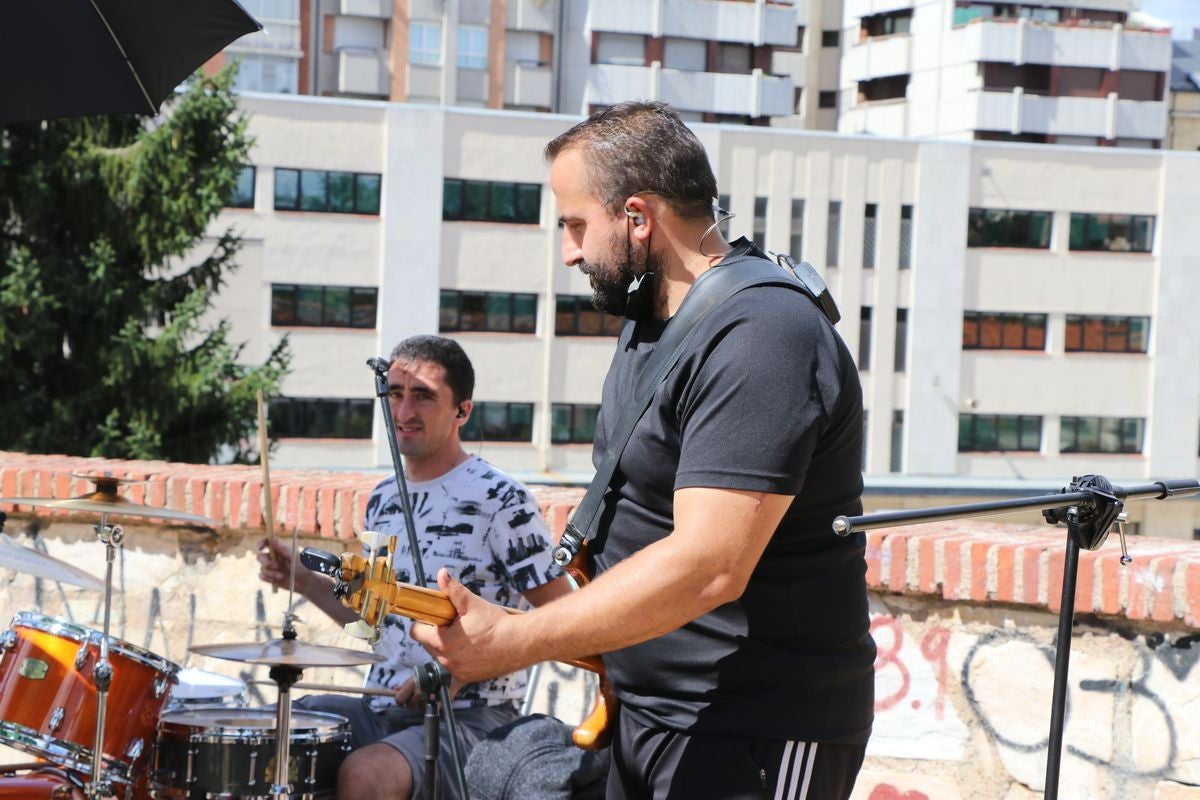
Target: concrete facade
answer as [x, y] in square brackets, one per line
[964, 615]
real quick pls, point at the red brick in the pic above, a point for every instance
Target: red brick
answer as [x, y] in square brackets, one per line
[952, 568]
[308, 509]
[1191, 595]
[177, 488]
[216, 502]
[325, 511]
[926, 564]
[1162, 605]
[1054, 577]
[156, 491]
[1006, 577]
[1111, 575]
[1139, 574]
[897, 545]
[1031, 559]
[346, 517]
[1085, 588]
[8, 481]
[979, 571]
[874, 557]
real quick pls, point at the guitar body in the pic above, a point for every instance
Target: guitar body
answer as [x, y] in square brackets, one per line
[374, 592]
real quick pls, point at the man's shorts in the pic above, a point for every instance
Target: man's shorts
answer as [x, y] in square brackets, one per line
[404, 729]
[657, 764]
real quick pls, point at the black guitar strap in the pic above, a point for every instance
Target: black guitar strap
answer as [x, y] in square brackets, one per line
[710, 290]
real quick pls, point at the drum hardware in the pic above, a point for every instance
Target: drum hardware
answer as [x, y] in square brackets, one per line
[368, 691]
[106, 502]
[1090, 508]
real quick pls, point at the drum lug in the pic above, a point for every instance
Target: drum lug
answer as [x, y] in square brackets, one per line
[134, 750]
[160, 686]
[8, 640]
[253, 779]
[81, 656]
[56, 719]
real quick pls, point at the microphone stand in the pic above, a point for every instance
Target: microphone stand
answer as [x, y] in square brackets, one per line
[432, 679]
[1089, 508]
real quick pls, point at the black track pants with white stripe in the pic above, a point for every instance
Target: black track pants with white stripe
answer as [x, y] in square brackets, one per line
[656, 764]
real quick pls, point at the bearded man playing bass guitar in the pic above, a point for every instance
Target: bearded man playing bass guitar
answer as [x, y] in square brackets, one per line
[731, 620]
[472, 519]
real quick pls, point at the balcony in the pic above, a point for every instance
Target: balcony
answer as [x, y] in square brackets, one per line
[527, 85]
[375, 9]
[879, 57]
[881, 117]
[755, 95]
[856, 9]
[1023, 42]
[713, 20]
[1104, 117]
[530, 15]
[362, 72]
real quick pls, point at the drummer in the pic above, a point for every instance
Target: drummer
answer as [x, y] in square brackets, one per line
[473, 520]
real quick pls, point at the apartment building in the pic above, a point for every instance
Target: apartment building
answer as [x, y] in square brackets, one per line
[1018, 313]
[749, 61]
[1184, 130]
[1078, 72]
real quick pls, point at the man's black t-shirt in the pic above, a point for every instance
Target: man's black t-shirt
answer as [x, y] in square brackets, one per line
[765, 398]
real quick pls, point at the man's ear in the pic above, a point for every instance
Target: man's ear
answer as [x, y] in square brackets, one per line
[464, 412]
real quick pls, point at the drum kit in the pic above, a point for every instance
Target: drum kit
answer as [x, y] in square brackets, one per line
[105, 718]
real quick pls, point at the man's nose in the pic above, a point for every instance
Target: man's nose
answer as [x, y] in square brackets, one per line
[572, 254]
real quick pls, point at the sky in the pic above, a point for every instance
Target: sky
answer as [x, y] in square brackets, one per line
[1184, 15]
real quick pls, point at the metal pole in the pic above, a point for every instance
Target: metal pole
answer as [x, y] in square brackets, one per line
[1062, 664]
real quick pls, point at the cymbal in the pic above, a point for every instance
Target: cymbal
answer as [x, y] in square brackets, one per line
[31, 562]
[287, 653]
[105, 500]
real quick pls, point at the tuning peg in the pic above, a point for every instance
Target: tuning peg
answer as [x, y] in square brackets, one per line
[1120, 526]
[373, 540]
[359, 629]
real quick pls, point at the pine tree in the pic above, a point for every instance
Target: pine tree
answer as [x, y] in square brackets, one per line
[107, 267]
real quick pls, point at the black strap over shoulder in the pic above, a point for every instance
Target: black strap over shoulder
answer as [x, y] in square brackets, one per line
[710, 290]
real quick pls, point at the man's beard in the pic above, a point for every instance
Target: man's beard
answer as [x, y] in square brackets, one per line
[612, 278]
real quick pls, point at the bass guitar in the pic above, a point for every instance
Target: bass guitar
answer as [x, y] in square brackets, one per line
[369, 587]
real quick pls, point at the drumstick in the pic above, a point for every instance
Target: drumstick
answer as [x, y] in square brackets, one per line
[329, 687]
[264, 460]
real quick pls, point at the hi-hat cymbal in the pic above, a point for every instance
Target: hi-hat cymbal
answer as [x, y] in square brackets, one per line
[105, 500]
[40, 565]
[287, 653]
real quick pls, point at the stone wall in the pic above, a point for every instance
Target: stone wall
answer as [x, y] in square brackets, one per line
[964, 613]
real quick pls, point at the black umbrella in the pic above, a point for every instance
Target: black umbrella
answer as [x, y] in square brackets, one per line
[67, 58]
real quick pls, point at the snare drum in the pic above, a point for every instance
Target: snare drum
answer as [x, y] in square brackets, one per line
[48, 700]
[215, 752]
[45, 782]
[198, 688]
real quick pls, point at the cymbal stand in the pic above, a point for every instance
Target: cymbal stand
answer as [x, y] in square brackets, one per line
[379, 366]
[284, 677]
[1089, 508]
[111, 536]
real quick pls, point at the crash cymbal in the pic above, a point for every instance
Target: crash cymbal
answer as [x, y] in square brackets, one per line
[31, 562]
[105, 500]
[287, 653]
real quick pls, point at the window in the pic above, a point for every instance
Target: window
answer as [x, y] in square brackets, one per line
[999, 432]
[906, 234]
[991, 331]
[499, 422]
[796, 243]
[323, 306]
[733, 59]
[263, 73]
[1101, 435]
[864, 338]
[491, 201]
[886, 24]
[1107, 334]
[487, 311]
[573, 423]
[760, 221]
[1113, 232]
[900, 357]
[998, 227]
[243, 189]
[833, 233]
[827, 99]
[829, 38]
[897, 459]
[321, 418]
[576, 316]
[893, 87]
[320, 190]
[686, 54]
[425, 43]
[620, 48]
[472, 46]
[1139, 84]
[869, 236]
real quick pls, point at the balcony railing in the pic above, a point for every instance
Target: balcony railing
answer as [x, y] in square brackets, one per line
[771, 23]
[878, 57]
[376, 9]
[527, 84]
[1023, 42]
[362, 72]
[1102, 117]
[754, 95]
[530, 15]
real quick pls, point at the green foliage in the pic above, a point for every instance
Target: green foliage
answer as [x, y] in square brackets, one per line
[107, 267]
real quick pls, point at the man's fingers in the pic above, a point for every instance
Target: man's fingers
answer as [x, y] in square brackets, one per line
[459, 595]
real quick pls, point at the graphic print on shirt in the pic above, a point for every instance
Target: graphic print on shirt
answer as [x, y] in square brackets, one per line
[486, 530]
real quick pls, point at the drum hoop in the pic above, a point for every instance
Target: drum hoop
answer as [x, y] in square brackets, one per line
[65, 754]
[327, 728]
[73, 631]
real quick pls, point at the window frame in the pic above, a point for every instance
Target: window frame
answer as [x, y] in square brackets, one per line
[1108, 321]
[525, 201]
[976, 421]
[1027, 321]
[238, 201]
[1136, 244]
[472, 35]
[487, 302]
[287, 412]
[1072, 426]
[974, 234]
[474, 430]
[577, 424]
[608, 325]
[359, 205]
[425, 27]
[279, 289]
